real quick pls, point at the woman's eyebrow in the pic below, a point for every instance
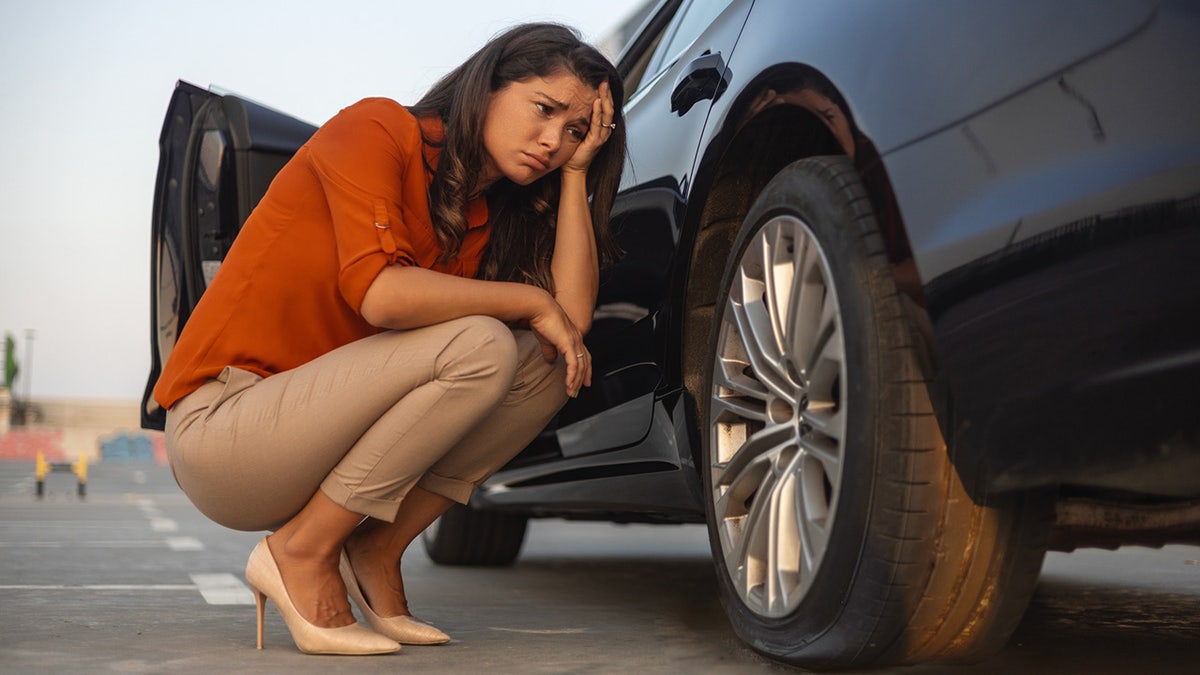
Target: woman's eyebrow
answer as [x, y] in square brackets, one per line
[559, 105]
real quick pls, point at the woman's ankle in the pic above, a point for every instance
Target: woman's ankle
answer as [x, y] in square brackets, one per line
[378, 576]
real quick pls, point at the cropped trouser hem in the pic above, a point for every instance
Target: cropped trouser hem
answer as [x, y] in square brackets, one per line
[385, 509]
[450, 488]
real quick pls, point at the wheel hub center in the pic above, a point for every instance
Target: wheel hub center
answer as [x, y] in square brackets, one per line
[780, 411]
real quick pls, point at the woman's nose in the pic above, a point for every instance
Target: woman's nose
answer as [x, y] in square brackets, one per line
[551, 138]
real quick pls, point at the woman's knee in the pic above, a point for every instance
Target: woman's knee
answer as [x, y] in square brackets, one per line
[482, 347]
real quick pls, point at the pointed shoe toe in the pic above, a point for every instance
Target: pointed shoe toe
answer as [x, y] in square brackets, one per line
[354, 639]
[407, 630]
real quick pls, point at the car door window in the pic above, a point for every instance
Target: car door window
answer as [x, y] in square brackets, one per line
[689, 23]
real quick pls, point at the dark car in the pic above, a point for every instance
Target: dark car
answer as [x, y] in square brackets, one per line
[910, 296]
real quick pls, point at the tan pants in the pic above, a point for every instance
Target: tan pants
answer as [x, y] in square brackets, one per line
[442, 406]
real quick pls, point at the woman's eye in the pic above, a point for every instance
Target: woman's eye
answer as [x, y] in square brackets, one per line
[543, 108]
[576, 134]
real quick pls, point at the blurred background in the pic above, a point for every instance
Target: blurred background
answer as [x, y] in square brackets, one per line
[84, 85]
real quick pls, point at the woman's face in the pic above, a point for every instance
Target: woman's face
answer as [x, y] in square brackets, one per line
[534, 126]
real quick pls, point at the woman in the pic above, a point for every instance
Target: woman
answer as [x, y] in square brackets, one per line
[401, 314]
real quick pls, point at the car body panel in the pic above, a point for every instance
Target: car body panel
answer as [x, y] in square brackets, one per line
[1092, 283]
[651, 480]
[929, 65]
[991, 178]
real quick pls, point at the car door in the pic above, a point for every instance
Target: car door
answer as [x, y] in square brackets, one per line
[626, 422]
[668, 107]
[217, 155]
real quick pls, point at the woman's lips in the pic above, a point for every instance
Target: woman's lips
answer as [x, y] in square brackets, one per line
[537, 162]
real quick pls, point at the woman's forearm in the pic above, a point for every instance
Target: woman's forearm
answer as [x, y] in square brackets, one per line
[575, 265]
[403, 297]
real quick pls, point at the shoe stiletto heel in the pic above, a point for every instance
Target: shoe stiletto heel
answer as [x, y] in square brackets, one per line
[265, 581]
[261, 601]
[407, 630]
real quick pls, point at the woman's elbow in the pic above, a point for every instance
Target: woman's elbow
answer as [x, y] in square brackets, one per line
[385, 304]
[578, 310]
[379, 308]
[583, 322]
[375, 313]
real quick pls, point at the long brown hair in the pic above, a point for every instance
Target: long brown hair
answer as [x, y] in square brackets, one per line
[523, 218]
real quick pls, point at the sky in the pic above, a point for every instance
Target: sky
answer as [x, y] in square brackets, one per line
[84, 85]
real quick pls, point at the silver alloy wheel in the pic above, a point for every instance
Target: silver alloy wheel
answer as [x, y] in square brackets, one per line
[777, 407]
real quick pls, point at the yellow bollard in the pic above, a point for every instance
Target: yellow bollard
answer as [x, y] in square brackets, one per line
[42, 469]
[80, 468]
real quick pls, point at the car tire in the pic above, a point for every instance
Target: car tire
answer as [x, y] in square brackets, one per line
[841, 532]
[466, 536]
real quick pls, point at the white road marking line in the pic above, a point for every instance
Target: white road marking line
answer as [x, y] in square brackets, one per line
[223, 589]
[99, 587]
[541, 631]
[127, 543]
[184, 544]
[112, 525]
[216, 589]
[164, 525]
[159, 523]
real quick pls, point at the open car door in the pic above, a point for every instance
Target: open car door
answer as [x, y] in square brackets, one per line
[217, 155]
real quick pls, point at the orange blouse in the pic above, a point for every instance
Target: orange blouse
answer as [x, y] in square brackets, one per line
[351, 201]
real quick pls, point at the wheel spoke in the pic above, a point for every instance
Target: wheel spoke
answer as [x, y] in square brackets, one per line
[823, 449]
[811, 512]
[807, 541]
[731, 376]
[758, 338]
[744, 408]
[824, 364]
[777, 278]
[754, 529]
[772, 583]
[738, 487]
[810, 302]
[821, 335]
[762, 443]
[737, 394]
[788, 546]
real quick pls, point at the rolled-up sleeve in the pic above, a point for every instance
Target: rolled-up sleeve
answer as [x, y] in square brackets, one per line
[365, 158]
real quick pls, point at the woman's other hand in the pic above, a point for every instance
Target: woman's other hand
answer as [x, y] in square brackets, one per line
[599, 129]
[558, 335]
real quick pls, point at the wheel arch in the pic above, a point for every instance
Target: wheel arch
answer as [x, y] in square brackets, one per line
[789, 112]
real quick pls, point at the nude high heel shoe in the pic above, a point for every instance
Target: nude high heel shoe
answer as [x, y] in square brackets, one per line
[406, 630]
[263, 575]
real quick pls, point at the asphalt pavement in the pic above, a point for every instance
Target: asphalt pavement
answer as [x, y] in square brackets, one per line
[132, 579]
